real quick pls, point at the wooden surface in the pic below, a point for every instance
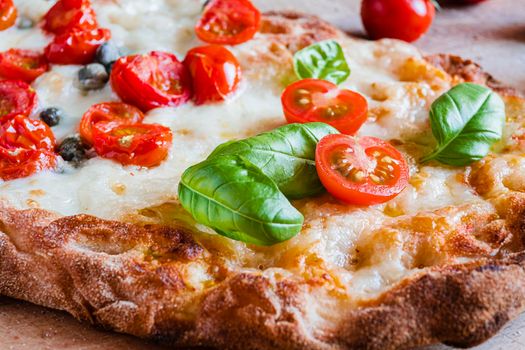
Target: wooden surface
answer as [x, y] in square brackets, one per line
[492, 34]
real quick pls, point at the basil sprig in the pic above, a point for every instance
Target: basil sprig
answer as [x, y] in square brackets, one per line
[286, 155]
[323, 60]
[466, 121]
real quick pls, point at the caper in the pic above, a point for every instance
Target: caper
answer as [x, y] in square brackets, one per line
[72, 150]
[107, 54]
[24, 22]
[51, 116]
[92, 77]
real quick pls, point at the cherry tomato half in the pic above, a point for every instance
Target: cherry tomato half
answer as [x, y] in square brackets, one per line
[106, 112]
[400, 19]
[16, 97]
[157, 79]
[228, 22]
[144, 145]
[20, 162]
[315, 100]
[77, 46]
[26, 65]
[66, 15]
[361, 171]
[215, 72]
[8, 14]
[23, 132]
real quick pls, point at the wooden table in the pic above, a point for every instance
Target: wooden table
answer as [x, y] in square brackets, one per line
[493, 34]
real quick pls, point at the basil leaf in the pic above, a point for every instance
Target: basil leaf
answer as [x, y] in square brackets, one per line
[466, 121]
[286, 155]
[323, 60]
[234, 197]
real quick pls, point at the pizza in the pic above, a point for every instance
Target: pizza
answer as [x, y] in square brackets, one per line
[202, 174]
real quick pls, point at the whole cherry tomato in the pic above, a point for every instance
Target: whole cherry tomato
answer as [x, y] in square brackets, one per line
[77, 46]
[66, 15]
[26, 65]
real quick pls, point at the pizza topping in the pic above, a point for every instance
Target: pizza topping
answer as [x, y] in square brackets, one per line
[26, 65]
[20, 162]
[24, 22]
[215, 72]
[8, 14]
[92, 77]
[144, 145]
[22, 132]
[16, 97]
[77, 46]
[228, 22]
[72, 150]
[67, 15]
[361, 171]
[51, 116]
[313, 100]
[107, 54]
[466, 121]
[150, 81]
[323, 60]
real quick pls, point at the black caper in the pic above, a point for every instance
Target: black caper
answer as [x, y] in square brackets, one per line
[107, 54]
[72, 150]
[24, 22]
[51, 116]
[92, 77]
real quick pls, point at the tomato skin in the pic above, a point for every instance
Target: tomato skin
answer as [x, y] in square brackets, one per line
[25, 65]
[145, 145]
[228, 22]
[117, 112]
[21, 162]
[215, 71]
[351, 108]
[399, 19]
[155, 80]
[77, 46]
[360, 189]
[16, 97]
[67, 15]
[8, 14]
[23, 132]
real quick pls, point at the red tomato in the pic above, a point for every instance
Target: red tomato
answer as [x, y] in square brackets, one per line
[22, 132]
[144, 145]
[228, 22]
[105, 112]
[77, 46]
[215, 72]
[66, 15]
[26, 65]
[16, 97]
[400, 19]
[20, 162]
[315, 100]
[8, 14]
[150, 81]
[361, 171]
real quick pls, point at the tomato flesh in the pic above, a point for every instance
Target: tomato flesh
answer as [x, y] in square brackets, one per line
[155, 80]
[215, 71]
[144, 145]
[8, 14]
[25, 65]
[24, 132]
[16, 97]
[77, 46]
[315, 100]
[361, 171]
[228, 22]
[20, 162]
[67, 15]
[400, 19]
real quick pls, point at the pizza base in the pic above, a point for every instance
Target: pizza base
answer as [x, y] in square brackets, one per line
[90, 268]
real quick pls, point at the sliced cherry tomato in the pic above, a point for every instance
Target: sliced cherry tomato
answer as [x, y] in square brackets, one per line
[144, 145]
[16, 97]
[361, 171]
[77, 46]
[228, 22]
[314, 100]
[400, 19]
[20, 162]
[106, 112]
[26, 65]
[8, 14]
[66, 15]
[23, 132]
[215, 72]
[157, 79]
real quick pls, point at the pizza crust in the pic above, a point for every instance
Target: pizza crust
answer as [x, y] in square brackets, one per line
[160, 283]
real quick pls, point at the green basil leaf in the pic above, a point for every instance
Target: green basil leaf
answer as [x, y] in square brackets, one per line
[286, 155]
[466, 121]
[323, 60]
[235, 198]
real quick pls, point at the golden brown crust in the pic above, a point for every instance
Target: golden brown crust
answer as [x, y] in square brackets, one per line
[133, 278]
